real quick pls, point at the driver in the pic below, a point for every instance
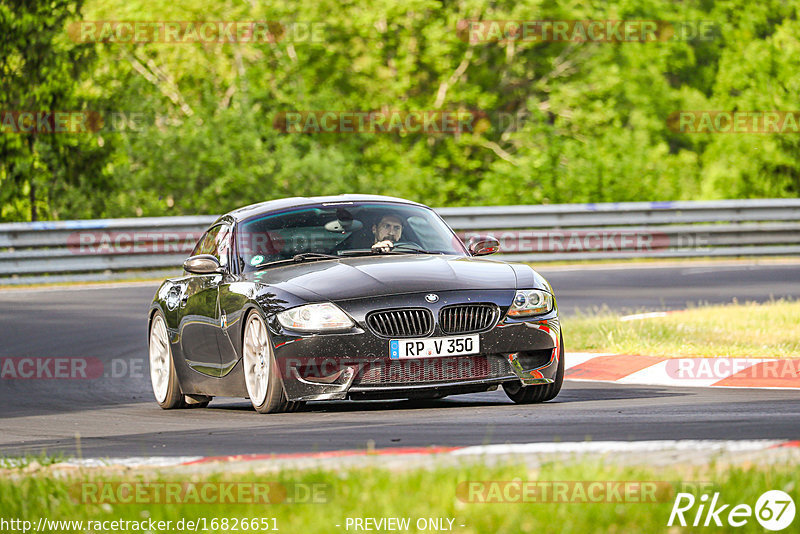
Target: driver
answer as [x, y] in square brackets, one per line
[387, 232]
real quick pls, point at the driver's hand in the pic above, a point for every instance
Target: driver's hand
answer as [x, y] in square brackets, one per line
[383, 246]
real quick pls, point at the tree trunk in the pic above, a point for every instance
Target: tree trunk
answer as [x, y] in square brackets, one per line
[32, 190]
[32, 198]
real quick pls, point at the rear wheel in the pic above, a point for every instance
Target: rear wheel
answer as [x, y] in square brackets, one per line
[162, 368]
[539, 393]
[261, 375]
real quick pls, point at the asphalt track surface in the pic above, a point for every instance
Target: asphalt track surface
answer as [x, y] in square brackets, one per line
[114, 415]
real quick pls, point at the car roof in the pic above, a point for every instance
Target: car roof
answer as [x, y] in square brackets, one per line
[246, 212]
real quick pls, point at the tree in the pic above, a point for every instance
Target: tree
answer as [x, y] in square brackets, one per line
[41, 70]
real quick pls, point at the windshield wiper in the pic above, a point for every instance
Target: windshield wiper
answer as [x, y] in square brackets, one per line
[300, 258]
[410, 247]
[358, 252]
[305, 256]
[403, 248]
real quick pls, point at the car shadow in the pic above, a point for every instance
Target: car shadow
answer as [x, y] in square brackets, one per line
[473, 400]
[370, 405]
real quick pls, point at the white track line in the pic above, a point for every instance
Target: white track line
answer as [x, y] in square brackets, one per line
[639, 316]
[134, 461]
[585, 447]
[581, 447]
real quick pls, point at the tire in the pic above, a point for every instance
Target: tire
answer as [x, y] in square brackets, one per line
[163, 377]
[541, 393]
[261, 375]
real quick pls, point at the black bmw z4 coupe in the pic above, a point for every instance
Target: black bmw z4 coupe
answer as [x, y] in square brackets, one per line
[349, 297]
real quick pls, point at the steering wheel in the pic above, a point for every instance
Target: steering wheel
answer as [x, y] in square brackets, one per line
[407, 244]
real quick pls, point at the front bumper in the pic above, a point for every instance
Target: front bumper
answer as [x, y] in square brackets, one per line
[356, 364]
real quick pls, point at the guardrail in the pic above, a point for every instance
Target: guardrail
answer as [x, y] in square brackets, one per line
[111, 248]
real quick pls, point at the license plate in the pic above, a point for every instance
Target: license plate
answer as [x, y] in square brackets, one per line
[433, 347]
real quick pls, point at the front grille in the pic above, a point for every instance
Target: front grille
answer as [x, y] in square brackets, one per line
[467, 318]
[410, 322]
[432, 370]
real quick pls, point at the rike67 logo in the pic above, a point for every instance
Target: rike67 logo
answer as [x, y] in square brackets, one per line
[774, 510]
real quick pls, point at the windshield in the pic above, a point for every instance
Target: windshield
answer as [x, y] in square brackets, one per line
[343, 229]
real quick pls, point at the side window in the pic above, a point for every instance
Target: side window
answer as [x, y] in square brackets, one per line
[222, 244]
[206, 244]
[217, 242]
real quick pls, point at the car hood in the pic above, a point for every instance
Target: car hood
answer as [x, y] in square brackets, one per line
[369, 276]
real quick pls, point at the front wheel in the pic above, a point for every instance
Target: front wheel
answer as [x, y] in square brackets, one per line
[162, 368]
[539, 393]
[260, 371]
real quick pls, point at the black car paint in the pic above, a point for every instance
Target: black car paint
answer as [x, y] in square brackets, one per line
[205, 314]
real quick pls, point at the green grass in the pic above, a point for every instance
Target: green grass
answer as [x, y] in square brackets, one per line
[414, 493]
[42, 459]
[735, 330]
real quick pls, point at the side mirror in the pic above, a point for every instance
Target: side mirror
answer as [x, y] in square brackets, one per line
[482, 245]
[202, 264]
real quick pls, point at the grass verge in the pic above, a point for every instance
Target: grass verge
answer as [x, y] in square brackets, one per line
[419, 494]
[749, 330]
[41, 459]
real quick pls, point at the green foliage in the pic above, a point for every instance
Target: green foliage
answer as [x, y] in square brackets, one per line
[564, 122]
[45, 175]
[326, 498]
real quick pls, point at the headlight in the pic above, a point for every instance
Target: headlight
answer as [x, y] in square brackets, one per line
[529, 302]
[315, 318]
